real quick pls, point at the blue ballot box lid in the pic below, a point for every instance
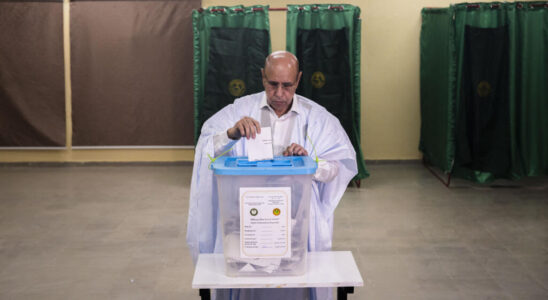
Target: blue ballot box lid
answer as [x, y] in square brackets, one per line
[282, 165]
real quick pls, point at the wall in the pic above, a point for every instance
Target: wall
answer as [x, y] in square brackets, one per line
[390, 84]
[390, 121]
[78, 155]
[390, 60]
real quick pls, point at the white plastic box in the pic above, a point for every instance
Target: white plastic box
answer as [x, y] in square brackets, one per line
[273, 196]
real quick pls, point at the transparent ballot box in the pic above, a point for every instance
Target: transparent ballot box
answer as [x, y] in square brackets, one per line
[264, 207]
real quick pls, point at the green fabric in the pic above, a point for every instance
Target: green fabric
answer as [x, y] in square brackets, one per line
[527, 91]
[326, 51]
[483, 17]
[530, 95]
[326, 40]
[436, 101]
[483, 122]
[236, 56]
[230, 45]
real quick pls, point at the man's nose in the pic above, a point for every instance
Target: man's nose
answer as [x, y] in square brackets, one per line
[279, 90]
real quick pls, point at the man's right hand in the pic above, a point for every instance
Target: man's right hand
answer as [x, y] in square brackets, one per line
[247, 127]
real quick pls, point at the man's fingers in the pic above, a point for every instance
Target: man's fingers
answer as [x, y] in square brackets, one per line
[291, 150]
[230, 133]
[250, 127]
[254, 126]
[257, 125]
[246, 127]
[241, 129]
[245, 131]
[296, 149]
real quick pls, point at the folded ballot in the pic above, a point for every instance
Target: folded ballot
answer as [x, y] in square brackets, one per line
[260, 148]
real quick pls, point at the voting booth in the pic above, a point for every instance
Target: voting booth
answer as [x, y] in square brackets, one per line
[264, 209]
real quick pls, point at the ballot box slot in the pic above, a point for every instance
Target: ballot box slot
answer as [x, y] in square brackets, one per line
[264, 163]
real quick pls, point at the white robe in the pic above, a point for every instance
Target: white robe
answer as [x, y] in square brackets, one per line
[204, 233]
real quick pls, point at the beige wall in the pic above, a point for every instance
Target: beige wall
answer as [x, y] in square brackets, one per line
[390, 84]
[390, 93]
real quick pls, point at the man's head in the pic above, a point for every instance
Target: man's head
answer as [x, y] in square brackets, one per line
[280, 80]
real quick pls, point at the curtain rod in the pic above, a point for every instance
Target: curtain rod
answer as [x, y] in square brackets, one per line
[518, 5]
[269, 9]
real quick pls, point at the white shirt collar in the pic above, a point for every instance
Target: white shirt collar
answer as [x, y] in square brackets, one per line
[295, 107]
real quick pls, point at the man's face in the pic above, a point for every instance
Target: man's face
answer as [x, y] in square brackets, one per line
[280, 80]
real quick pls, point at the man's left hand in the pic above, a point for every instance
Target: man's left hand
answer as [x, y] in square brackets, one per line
[295, 150]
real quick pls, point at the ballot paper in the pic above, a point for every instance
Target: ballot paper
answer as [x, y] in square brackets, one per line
[260, 148]
[265, 222]
[232, 254]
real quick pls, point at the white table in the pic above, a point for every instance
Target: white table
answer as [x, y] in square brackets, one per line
[324, 269]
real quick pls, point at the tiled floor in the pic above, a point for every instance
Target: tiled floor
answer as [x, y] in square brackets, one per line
[118, 232]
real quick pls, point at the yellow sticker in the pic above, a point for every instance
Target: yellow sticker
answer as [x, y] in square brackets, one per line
[317, 79]
[236, 87]
[484, 89]
[276, 211]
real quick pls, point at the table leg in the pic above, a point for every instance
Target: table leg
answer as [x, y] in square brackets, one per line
[342, 292]
[205, 294]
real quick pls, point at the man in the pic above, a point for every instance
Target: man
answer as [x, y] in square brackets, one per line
[299, 127]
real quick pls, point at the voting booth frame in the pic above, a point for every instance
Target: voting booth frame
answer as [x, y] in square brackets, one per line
[231, 43]
[484, 97]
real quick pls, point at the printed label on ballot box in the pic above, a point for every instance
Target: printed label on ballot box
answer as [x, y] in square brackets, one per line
[265, 222]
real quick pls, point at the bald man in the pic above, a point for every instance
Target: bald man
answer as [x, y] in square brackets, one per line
[280, 79]
[295, 121]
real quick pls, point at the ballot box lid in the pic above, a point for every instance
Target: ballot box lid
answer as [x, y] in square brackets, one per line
[281, 165]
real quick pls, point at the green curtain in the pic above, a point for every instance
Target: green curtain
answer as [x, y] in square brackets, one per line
[483, 125]
[530, 95]
[435, 87]
[498, 75]
[230, 45]
[326, 40]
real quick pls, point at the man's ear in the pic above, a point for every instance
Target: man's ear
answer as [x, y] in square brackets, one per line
[299, 77]
[262, 72]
